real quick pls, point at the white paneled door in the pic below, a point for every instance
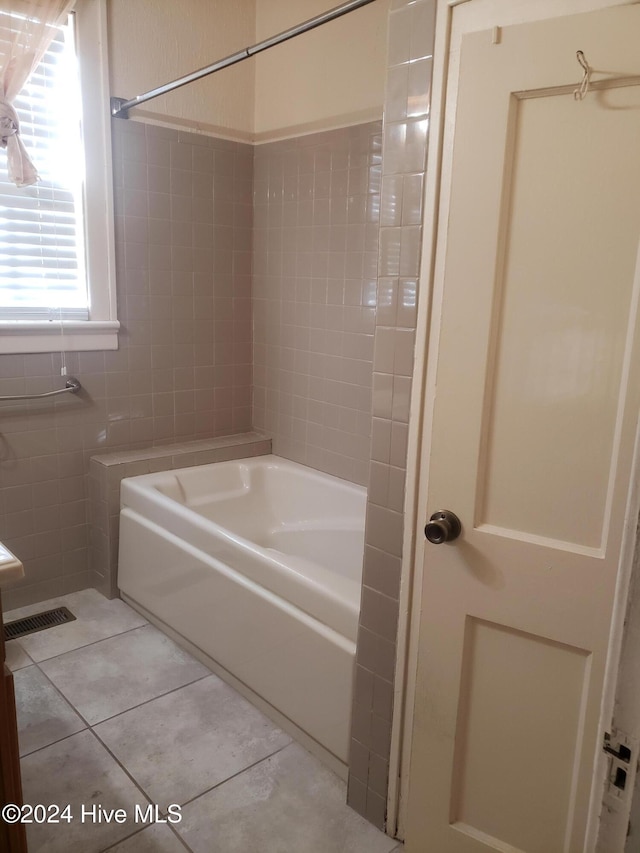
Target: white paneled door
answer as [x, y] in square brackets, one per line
[533, 433]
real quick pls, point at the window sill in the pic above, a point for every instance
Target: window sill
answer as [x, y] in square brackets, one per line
[18, 336]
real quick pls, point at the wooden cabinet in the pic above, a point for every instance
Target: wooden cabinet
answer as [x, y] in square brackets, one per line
[12, 836]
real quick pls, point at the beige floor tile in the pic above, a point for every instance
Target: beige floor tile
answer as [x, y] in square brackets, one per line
[288, 803]
[78, 771]
[182, 744]
[43, 715]
[96, 619]
[117, 674]
[154, 839]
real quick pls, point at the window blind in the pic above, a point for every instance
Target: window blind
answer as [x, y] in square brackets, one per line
[42, 257]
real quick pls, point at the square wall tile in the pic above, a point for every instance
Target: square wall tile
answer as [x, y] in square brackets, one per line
[165, 245]
[315, 260]
[405, 128]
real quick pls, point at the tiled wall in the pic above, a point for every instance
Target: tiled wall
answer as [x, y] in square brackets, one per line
[316, 218]
[411, 32]
[183, 370]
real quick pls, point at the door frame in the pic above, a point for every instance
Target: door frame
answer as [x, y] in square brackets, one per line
[454, 18]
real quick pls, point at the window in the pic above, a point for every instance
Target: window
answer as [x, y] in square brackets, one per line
[56, 238]
[42, 254]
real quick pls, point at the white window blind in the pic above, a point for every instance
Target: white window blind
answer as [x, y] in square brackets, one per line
[42, 252]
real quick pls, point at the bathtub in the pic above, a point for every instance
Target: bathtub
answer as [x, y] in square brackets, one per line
[257, 563]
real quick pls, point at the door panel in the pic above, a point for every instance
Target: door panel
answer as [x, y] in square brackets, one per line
[559, 351]
[532, 435]
[510, 733]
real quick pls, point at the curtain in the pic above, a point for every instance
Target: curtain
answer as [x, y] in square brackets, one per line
[28, 29]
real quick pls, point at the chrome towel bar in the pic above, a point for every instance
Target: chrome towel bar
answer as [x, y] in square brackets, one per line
[72, 386]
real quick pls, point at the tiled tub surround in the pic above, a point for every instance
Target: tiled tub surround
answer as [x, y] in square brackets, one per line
[106, 470]
[183, 370]
[315, 256]
[258, 564]
[167, 731]
[314, 332]
[411, 33]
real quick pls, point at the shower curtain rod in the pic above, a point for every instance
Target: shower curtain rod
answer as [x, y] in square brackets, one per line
[120, 107]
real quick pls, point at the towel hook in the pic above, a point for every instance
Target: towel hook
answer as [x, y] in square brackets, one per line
[583, 88]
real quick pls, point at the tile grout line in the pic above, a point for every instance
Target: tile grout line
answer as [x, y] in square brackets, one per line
[46, 660]
[91, 726]
[239, 773]
[128, 775]
[24, 652]
[187, 802]
[179, 837]
[207, 790]
[138, 832]
[73, 707]
[54, 742]
[20, 668]
[153, 699]
[87, 724]
[100, 743]
[121, 840]
[86, 645]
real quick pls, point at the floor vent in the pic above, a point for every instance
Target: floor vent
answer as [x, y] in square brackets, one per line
[37, 622]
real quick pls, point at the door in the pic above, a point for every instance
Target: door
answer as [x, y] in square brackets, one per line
[535, 414]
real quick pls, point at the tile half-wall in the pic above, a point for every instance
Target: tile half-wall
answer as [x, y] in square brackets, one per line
[315, 258]
[106, 470]
[406, 122]
[184, 367]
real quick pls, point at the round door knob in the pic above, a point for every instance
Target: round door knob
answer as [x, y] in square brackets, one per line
[443, 526]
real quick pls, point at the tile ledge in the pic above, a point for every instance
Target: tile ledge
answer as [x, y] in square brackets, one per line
[159, 451]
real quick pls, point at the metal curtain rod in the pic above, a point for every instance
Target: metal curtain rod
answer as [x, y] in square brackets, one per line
[72, 386]
[120, 108]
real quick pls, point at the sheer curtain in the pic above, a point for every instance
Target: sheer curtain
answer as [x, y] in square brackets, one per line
[28, 26]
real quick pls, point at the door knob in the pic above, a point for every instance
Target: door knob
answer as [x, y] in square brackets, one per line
[443, 526]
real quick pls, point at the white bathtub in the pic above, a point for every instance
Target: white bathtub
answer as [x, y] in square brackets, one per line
[256, 562]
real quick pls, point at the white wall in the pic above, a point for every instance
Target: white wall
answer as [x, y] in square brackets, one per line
[154, 41]
[330, 77]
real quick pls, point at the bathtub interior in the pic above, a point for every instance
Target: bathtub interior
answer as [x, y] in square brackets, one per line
[281, 508]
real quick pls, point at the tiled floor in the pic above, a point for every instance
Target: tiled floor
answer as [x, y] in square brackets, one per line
[113, 715]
